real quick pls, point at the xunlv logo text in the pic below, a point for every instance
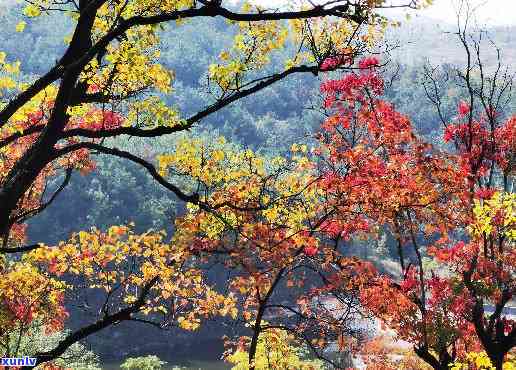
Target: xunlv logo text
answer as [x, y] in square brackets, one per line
[18, 361]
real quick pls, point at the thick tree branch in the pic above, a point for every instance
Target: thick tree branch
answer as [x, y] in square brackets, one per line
[22, 98]
[194, 198]
[159, 131]
[429, 358]
[79, 39]
[23, 216]
[106, 321]
[18, 135]
[23, 249]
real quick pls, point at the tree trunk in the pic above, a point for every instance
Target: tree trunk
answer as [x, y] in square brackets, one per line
[256, 335]
[36, 158]
[496, 358]
[443, 363]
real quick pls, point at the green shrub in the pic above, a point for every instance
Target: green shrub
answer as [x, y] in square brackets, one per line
[150, 362]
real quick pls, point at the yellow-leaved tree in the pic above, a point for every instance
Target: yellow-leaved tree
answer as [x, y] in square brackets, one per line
[276, 350]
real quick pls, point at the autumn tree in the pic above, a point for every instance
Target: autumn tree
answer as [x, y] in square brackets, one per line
[265, 234]
[109, 84]
[451, 209]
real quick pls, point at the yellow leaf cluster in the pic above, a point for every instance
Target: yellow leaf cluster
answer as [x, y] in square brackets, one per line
[497, 214]
[20, 26]
[275, 350]
[243, 178]
[8, 74]
[131, 65]
[251, 51]
[33, 10]
[152, 112]
[481, 361]
[121, 261]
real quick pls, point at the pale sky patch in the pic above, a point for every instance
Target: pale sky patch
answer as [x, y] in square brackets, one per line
[488, 12]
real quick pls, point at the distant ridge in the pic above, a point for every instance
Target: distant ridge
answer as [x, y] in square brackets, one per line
[423, 38]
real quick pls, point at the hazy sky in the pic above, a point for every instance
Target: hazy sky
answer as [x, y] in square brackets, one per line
[492, 12]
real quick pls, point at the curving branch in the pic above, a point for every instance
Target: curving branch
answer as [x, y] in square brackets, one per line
[108, 320]
[32, 212]
[25, 215]
[194, 198]
[159, 131]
